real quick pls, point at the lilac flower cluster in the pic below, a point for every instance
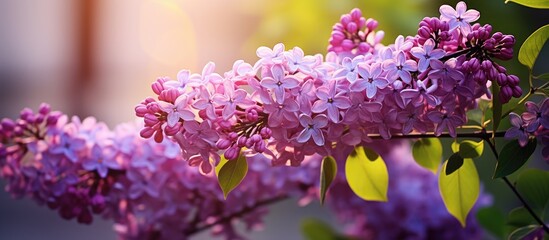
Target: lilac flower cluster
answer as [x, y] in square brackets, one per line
[534, 121]
[296, 105]
[80, 168]
[415, 209]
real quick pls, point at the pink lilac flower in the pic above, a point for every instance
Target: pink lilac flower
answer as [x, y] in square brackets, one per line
[206, 101]
[517, 130]
[201, 133]
[279, 82]
[371, 80]
[400, 67]
[177, 111]
[232, 98]
[298, 61]
[349, 69]
[282, 113]
[426, 54]
[445, 121]
[268, 55]
[459, 17]
[70, 146]
[446, 72]
[330, 100]
[101, 160]
[208, 76]
[312, 128]
[535, 116]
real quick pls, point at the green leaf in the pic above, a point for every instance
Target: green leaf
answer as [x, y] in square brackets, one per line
[530, 49]
[231, 174]
[496, 106]
[543, 4]
[314, 229]
[460, 189]
[367, 174]
[328, 172]
[527, 232]
[513, 156]
[428, 152]
[520, 217]
[493, 220]
[544, 76]
[533, 185]
[471, 149]
[454, 163]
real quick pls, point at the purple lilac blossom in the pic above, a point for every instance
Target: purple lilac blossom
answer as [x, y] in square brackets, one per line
[439, 73]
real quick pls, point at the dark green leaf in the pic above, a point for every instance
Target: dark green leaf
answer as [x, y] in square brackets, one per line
[531, 47]
[493, 220]
[231, 174]
[543, 4]
[533, 185]
[520, 217]
[428, 152]
[460, 189]
[328, 172]
[367, 174]
[471, 149]
[496, 106]
[454, 163]
[513, 156]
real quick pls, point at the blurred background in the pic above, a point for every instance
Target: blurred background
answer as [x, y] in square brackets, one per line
[98, 58]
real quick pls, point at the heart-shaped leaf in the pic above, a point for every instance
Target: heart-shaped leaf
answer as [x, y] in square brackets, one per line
[460, 189]
[231, 174]
[367, 174]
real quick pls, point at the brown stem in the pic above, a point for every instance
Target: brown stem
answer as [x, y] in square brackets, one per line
[240, 213]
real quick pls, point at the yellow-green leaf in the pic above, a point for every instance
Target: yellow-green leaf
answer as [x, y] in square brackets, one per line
[367, 174]
[471, 149]
[221, 163]
[455, 146]
[460, 189]
[530, 49]
[328, 172]
[543, 4]
[231, 174]
[428, 152]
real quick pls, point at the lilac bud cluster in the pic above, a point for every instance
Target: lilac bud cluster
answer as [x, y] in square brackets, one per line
[355, 34]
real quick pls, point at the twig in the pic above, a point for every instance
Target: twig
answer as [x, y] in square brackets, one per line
[514, 189]
[231, 216]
